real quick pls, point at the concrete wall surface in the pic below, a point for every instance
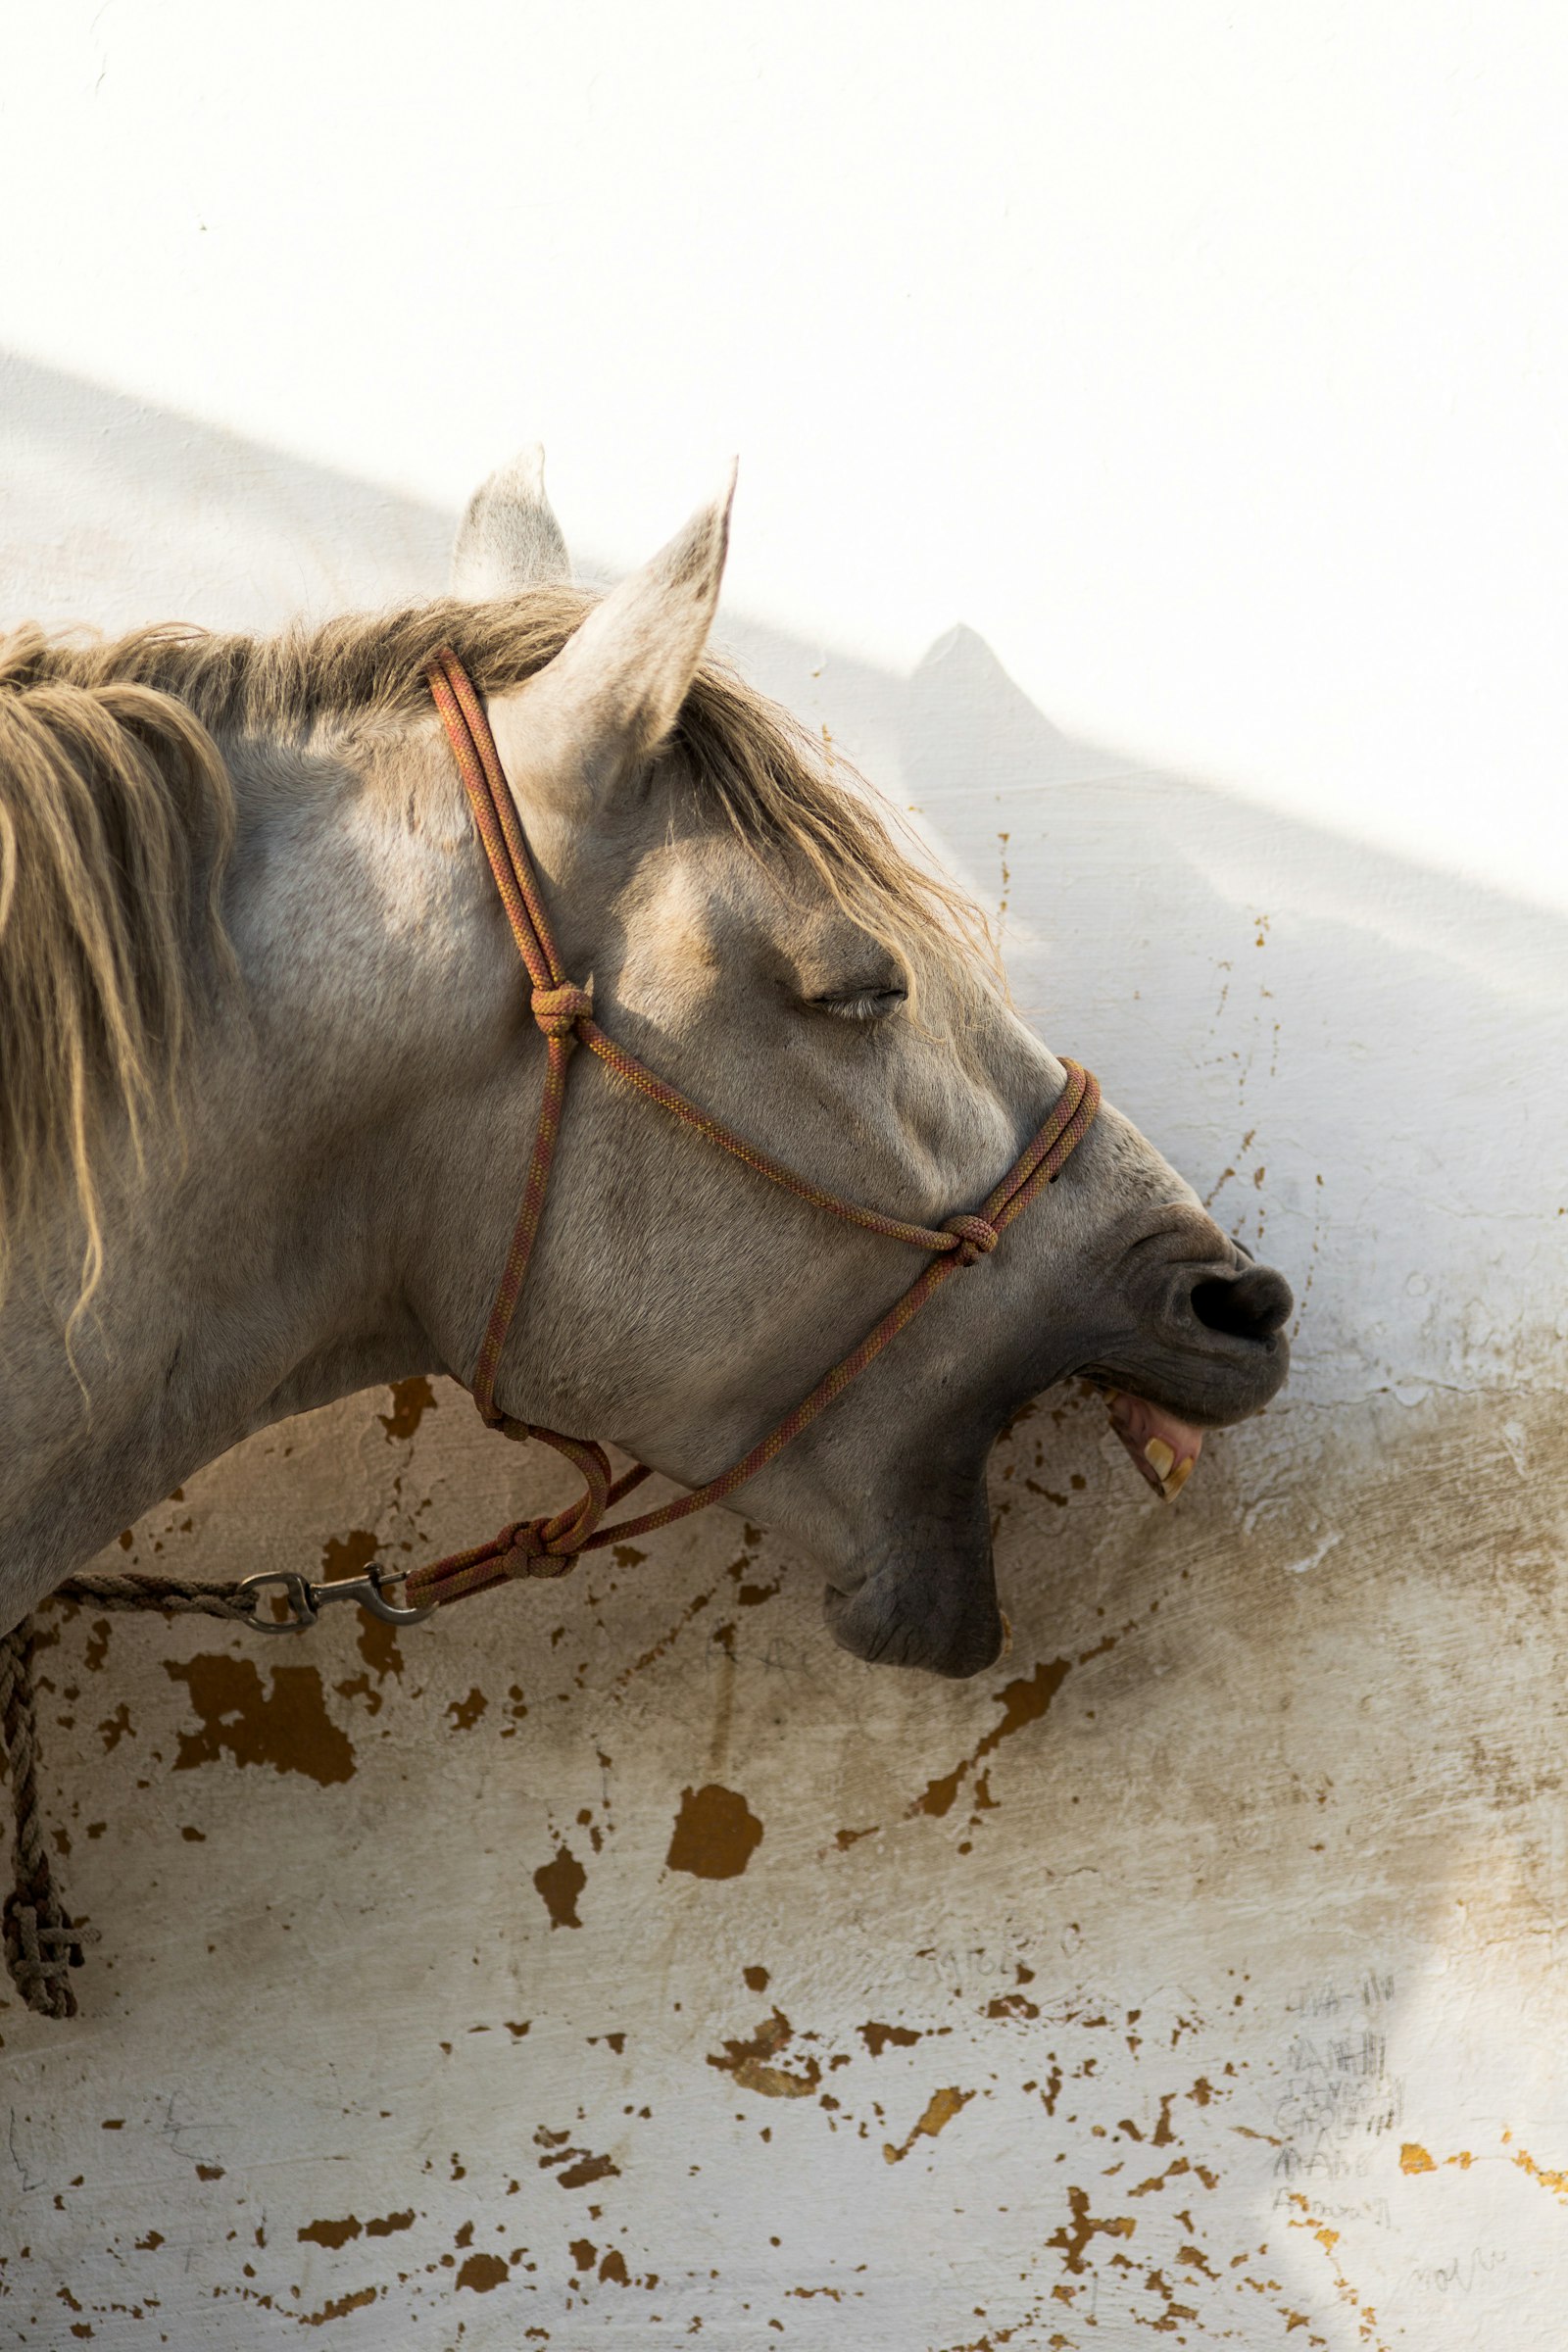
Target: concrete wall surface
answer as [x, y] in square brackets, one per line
[1153, 475]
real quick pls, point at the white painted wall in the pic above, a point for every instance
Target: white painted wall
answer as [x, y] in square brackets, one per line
[1154, 472]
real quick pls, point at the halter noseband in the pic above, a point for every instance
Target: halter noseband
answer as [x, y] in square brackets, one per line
[563, 1011]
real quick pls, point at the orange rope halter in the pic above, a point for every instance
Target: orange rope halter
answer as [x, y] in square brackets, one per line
[563, 1011]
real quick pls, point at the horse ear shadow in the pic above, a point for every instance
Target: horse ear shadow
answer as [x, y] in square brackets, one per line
[510, 540]
[937, 1615]
[962, 712]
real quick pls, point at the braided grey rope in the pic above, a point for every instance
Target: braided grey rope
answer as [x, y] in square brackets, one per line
[204, 1598]
[42, 1943]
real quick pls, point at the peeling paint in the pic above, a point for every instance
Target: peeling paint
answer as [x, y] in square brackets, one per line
[330, 2234]
[1555, 2181]
[1074, 2236]
[349, 1554]
[940, 2110]
[559, 1883]
[1022, 1701]
[412, 1399]
[878, 2037]
[715, 1833]
[482, 2271]
[285, 1725]
[749, 2062]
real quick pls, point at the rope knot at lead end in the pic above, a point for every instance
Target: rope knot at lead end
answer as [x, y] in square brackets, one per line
[526, 1552]
[976, 1237]
[42, 1943]
[557, 1010]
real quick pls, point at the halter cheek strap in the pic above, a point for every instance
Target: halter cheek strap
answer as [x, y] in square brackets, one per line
[563, 1011]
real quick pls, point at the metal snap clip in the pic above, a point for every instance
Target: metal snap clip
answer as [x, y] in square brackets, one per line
[305, 1600]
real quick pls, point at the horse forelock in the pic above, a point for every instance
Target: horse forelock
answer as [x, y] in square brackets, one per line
[117, 818]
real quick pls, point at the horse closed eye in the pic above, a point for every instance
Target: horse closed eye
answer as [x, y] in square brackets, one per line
[860, 1004]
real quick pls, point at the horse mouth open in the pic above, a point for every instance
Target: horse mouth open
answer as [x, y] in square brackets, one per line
[1205, 1347]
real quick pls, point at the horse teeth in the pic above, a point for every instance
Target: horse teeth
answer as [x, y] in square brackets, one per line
[1160, 1457]
[1171, 1487]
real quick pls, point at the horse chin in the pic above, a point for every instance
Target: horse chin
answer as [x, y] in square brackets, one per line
[926, 1609]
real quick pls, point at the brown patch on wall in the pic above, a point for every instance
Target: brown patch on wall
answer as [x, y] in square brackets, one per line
[114, 1727]
[465, 1712]
[586, 2170]
[412, 1399]
[1072, 2237]
[582, 2167]
[348, 1555]
[482, 2271]
[560, 1882]
[715, 1833]
[1157, 2180]
[378, 1646]
[748, 2062]
[876, 2037]
[385, 2224]
[287, 1726]
[940, 2110]
[330, 2234]
[777, 2082]
[1557, 2181]
[1022, 1701]
[339, 2308]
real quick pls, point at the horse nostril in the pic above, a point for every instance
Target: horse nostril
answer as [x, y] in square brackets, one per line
[1250, 1306]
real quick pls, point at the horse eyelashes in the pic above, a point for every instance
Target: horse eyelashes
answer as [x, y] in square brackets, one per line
[862, 1004]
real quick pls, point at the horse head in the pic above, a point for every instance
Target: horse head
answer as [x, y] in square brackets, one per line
[753, 930]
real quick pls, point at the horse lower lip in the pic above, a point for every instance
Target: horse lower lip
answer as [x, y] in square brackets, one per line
[1164, 1447]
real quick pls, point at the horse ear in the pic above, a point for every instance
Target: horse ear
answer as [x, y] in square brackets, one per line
[509, 538]
[588, 723]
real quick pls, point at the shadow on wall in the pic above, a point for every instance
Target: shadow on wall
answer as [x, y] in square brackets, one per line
[115, 514]
[1342, 1051]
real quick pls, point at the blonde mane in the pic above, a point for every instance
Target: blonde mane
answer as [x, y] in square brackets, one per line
[117, 818]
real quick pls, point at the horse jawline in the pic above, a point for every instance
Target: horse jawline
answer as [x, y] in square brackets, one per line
[935, 1610]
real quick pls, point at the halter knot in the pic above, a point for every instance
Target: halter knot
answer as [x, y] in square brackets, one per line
[528, 1552]
[976, 1237]
[557, 1010]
